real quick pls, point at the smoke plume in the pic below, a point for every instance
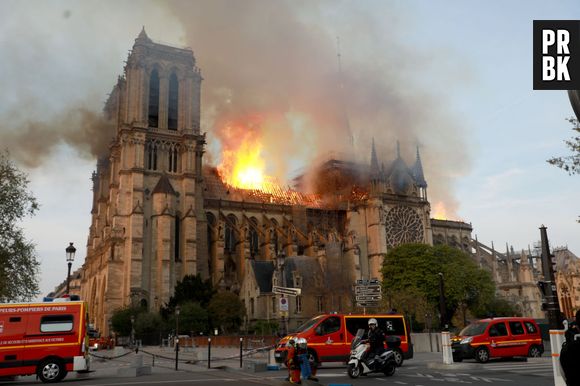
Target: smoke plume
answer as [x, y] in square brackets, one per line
[84, 130]
[274, 59]
[279, 60]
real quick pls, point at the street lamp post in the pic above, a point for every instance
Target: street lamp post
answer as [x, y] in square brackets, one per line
[442, 307]
[550, 291]
[132, 330]
[70, 256]
[177, 310]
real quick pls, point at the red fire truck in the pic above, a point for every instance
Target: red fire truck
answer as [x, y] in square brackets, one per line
[47, 339]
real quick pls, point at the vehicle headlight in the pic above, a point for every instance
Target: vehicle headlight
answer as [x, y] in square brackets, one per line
[466, 340]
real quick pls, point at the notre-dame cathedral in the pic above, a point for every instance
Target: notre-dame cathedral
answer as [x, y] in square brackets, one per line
[160, 213]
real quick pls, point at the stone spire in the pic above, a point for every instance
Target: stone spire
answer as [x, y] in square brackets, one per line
[374, 162]
[418, 172]
[143, 34]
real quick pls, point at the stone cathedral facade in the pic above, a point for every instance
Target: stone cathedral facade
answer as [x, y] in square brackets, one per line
[147, 198]
[160, 213]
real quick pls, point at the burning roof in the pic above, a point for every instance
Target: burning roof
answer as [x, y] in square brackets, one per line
[269, 192]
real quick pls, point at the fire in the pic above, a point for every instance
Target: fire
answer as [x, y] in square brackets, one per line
[439, 212]
[242, 164]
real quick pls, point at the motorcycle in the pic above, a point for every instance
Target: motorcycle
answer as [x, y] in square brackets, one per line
[384, 363]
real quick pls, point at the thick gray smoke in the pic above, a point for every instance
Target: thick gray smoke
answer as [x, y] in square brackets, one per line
[278, 59]
[82, 129]
[270, 62]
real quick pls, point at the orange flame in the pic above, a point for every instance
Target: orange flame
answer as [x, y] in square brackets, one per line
[242, 165]
[439, 212]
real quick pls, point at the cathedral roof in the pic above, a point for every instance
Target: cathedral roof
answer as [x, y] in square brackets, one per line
[400, 177]
[307, 267]
[215, 188]
[566, 261]
[263, 271]
[164, 186]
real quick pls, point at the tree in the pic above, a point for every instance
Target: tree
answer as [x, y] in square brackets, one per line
[570, 163]
[149, 327]
[147, 323]
[191, 289]
[265, 327]
[18, 264]
[413, 269]
[192, 317]
[121, 320]
[497, 307]
[227, 311]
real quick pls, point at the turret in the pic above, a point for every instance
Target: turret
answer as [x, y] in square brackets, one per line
[374, 162]
[419, 177]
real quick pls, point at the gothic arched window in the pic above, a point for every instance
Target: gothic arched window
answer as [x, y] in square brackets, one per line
[230, 234]
[403, 226]
[211, 222]
[152, 156]
[173, 102]
[275, 237]
[254, 238]
[153, 115]
[173, 157]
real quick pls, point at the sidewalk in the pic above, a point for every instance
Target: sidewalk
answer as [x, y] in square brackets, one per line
[162, 359]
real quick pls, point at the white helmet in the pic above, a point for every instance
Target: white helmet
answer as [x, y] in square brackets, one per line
[301, 342]
[372, 321]
[291, 342]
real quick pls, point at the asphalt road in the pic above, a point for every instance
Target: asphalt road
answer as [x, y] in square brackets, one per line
[536, 372]
[423, 370]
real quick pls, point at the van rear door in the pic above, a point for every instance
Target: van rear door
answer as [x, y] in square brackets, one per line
[12, 330]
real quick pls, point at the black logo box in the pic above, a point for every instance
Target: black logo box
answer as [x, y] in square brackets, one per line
[573, 28]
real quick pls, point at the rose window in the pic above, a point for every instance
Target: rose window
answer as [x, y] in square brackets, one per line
[403, 226]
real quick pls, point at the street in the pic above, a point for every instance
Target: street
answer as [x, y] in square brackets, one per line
[425, 369]
[534, 372]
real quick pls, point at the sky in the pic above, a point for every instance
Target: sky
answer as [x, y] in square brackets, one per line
[452, 77]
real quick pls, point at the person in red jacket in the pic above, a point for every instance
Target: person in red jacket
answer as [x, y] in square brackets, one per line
[292, 362]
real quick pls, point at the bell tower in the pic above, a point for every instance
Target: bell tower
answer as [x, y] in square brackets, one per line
[148, 209]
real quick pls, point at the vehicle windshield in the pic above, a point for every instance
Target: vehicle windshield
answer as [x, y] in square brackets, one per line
[358, 337]
[308, 324]
[473, 329]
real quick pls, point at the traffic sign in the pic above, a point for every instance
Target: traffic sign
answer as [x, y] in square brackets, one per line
[283, 304]
[286, 291]
[366, 298]
[367, 281]
[367, 289]
[368, 304]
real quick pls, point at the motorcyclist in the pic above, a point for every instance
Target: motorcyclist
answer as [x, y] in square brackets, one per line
[376, 339]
